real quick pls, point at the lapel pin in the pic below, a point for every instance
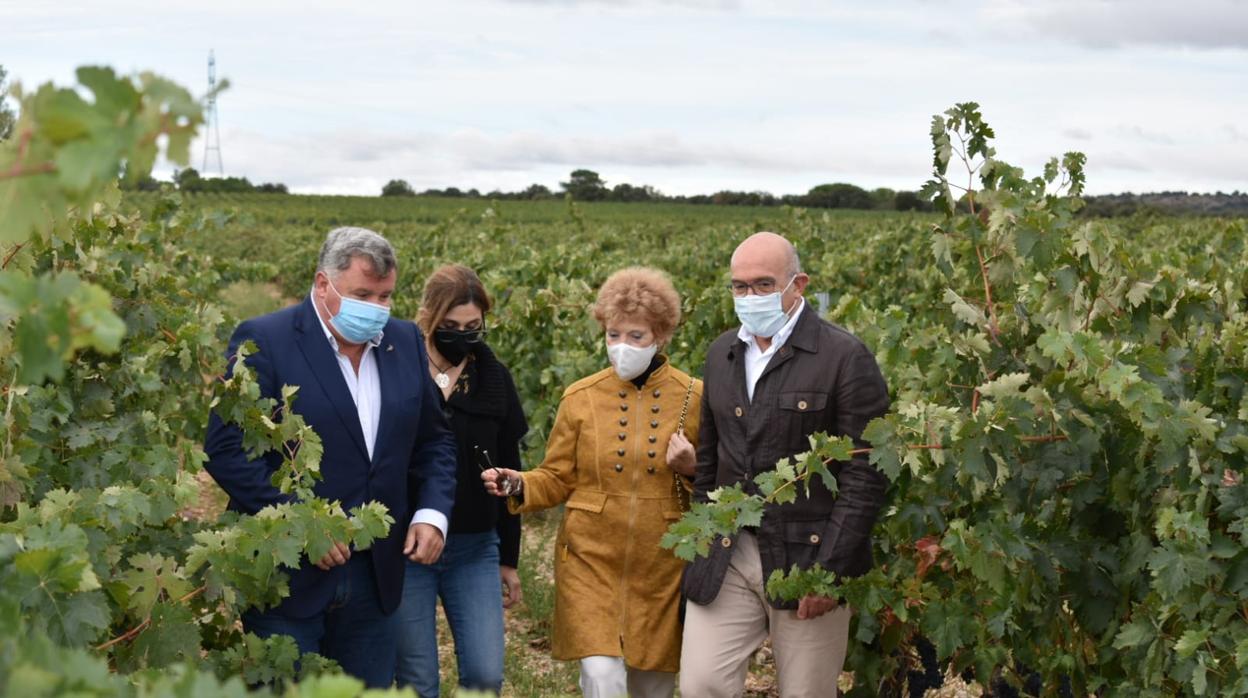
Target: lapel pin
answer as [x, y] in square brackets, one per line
[389, 347]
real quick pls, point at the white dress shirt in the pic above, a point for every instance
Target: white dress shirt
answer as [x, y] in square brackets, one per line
[755, 358]
[365, 390]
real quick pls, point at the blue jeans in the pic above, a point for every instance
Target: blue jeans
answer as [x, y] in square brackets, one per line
[466, 578]
[352, 631]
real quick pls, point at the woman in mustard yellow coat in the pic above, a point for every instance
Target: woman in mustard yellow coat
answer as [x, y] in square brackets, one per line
[618, 458]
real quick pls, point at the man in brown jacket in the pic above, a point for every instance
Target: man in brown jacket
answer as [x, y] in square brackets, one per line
[784, 375]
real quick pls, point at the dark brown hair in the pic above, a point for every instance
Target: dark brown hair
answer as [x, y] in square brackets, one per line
[447, 287]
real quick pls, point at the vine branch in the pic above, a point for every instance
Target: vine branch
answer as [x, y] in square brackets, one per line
[12, 253]
[17, 169]
[993, 327]
[147, 622]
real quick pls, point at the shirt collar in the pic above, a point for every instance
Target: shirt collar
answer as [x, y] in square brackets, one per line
[781, 336]
[333, 341]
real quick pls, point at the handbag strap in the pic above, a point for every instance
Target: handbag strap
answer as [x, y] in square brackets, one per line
[684, 410]
[678, 487]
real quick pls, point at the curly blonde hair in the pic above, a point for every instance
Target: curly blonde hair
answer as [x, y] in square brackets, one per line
[642, 294]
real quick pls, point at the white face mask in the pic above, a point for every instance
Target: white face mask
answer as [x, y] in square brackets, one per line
[630, 361]
[762, 316]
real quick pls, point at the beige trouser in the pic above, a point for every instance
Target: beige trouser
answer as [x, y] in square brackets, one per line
[609, 677]
[721, 637]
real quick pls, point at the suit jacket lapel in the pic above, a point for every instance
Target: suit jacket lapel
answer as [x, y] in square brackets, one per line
[320, 357]
[388, 373]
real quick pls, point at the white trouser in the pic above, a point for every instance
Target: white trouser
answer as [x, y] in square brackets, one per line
[609, 677]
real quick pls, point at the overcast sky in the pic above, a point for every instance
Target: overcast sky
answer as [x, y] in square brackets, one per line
[689, 96]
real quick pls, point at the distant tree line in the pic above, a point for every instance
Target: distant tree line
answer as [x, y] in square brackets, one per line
[1169, 202]
[587, 185]
[189, 180]
[7, 117]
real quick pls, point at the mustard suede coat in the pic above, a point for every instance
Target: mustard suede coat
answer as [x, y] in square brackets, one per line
[617, 593]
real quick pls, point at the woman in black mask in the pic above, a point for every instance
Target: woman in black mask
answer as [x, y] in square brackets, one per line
[476, 576]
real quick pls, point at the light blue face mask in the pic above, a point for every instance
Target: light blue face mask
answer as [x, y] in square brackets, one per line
[358, 321]
[762, 316]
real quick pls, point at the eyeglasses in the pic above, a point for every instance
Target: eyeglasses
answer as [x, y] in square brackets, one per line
[508, 485]
[762, 287]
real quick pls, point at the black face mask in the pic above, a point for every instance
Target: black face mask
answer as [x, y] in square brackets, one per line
[454, 345]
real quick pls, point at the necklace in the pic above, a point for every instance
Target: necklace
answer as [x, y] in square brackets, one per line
[441, 379]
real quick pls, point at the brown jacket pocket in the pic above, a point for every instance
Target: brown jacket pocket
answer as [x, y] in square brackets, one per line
[590, 501]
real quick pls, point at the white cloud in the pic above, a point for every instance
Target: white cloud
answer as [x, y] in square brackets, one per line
[470, 158]
[1111, 23]
[1138, 133]
[689, 96]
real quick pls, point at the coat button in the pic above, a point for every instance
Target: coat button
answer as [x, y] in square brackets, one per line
[619, 451]
[654, 424]
[725, 542]
[801, 404]
[737, 412]
[656, 392]
[624, 407]
[650, 470]
[652, 438]
[623, 435]
[814, 539]
[619, 468]
[623, 421]
[655, 409]
[650, 453]
[623, 393]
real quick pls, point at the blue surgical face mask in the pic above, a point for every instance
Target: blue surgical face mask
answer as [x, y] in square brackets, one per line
[762, 316]
[358, 321]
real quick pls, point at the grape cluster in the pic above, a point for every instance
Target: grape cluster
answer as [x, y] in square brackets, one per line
[930, 676]
[1033, 684]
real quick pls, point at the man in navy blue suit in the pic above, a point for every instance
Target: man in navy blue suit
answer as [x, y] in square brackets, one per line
[365, 388]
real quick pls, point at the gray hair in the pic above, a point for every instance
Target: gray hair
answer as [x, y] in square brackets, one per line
[794, 262]
[345, 244]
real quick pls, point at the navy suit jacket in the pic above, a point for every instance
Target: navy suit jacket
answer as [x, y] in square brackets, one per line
[414, 441]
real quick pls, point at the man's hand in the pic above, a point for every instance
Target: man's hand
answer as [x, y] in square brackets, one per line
[511, 586]
[338, 555]
[811, 607]
[424, 543]
[497, 481]
[680, 454]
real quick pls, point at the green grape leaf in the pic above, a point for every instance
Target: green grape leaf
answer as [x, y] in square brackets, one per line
[152, 577]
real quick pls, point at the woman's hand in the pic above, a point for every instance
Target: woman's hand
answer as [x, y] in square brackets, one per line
[511, 586]
[680, 455]
[502, 482]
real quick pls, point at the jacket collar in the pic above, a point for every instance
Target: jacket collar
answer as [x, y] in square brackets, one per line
[806, 332]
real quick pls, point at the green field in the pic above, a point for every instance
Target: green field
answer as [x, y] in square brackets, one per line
[543, 261]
